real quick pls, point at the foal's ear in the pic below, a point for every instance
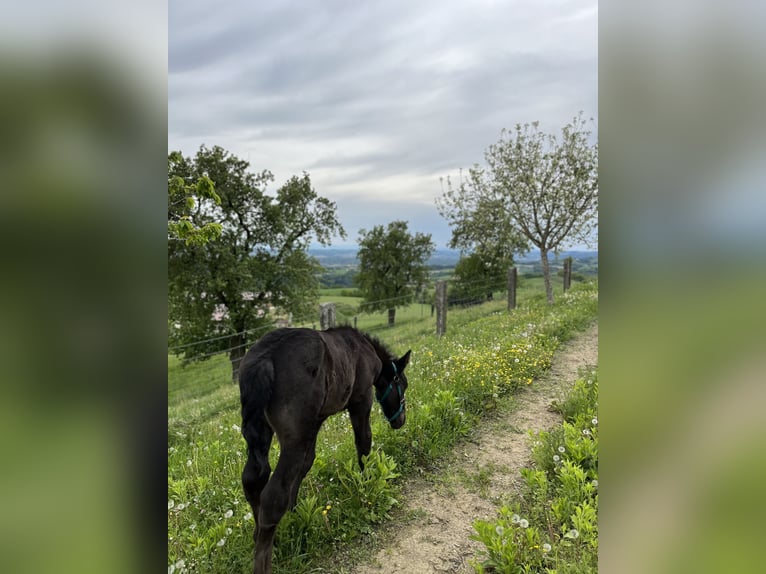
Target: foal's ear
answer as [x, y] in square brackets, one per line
[402, 363]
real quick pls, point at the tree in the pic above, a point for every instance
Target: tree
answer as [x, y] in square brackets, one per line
[392, 267]
[480, 226]
[225, 293]
[545, 187]
[476, 278]
[182, 199]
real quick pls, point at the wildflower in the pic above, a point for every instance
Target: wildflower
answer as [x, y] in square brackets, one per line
[556, 458]
[516, 360]
[546, 547]
[500, 530]
[249, 516]
[193, 527]
[594, 421]
[572, 534]
[595, 483]
[181, 506]
[586, 432]
[235, 428]
[524, 523]
[562, 449]
[221, 542]
[228, 514]
[228, 531]
[515, 518]
[188, 462]
[171, 503]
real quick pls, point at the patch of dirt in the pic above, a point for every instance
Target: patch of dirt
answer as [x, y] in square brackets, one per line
[485, 474]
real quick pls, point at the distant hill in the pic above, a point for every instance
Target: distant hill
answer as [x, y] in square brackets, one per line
[346, 256]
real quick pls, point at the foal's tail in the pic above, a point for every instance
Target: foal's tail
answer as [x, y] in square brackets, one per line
[256, 381]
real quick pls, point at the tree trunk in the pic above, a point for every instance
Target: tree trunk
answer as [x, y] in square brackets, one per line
[391, 316]
[546, 275]
[236, 354]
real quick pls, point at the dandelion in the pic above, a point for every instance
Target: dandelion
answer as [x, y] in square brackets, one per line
[516, 360]
[562, 449]
[586, 432]
[515, 518]
[235, 428]
[524, 523]
[594, 421]
[171, 503]
[500, 530]
[188, 462]
[595, 483]
[228, 514]
[181, 506]
[556, 458]
[572, 534]
[221, 542]
[546, 547]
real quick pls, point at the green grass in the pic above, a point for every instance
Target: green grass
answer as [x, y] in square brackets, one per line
[487, 352]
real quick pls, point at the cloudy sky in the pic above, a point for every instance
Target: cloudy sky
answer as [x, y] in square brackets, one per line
[376, 100]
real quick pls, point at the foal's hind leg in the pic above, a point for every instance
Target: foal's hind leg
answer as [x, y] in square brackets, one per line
[256, 472]
[276, 498]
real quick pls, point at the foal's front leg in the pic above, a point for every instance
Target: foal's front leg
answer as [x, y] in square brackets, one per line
[359, 413]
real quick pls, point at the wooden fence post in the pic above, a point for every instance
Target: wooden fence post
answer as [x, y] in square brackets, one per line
[512, 277]
[441, 308]
[567, 273]
[326, 316]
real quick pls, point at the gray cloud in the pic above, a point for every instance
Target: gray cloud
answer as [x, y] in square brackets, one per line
[374, 99]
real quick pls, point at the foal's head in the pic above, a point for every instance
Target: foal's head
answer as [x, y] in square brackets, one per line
[390, 388]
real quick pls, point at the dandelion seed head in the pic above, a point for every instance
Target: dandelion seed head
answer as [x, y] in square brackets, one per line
[556, 458]
[546, 547]
[500, 530]
[524, 523]
[562, 449]
[221, 542]
[515, 518]
[228, 514]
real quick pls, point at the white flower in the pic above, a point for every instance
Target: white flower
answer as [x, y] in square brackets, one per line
[572, 534]
[188, 462]
[181, 506]
[500, 530]
[561, 449]
[171, 569]
[546, 547]
[516, 360]
[249, 516]
[524, 523]
[171, 503]
[235, 428]
[221, 542]
[556, 458]
[228, 531]
[180, 564]
[595, 483]
[586, 432]
[193, 526]
[515, 518]
[228, 514]
[594, 421]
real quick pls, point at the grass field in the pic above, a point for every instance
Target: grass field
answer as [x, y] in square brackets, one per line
[487, 352]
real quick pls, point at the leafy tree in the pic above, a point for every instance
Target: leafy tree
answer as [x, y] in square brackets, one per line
[546, 188]
[224, 293]
[392, 267]
[182, 200]
[476, 278]
[480, 225]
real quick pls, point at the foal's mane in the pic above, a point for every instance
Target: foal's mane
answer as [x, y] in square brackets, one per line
[380, 349]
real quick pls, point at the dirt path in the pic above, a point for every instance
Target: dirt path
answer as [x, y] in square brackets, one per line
[487, 471]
